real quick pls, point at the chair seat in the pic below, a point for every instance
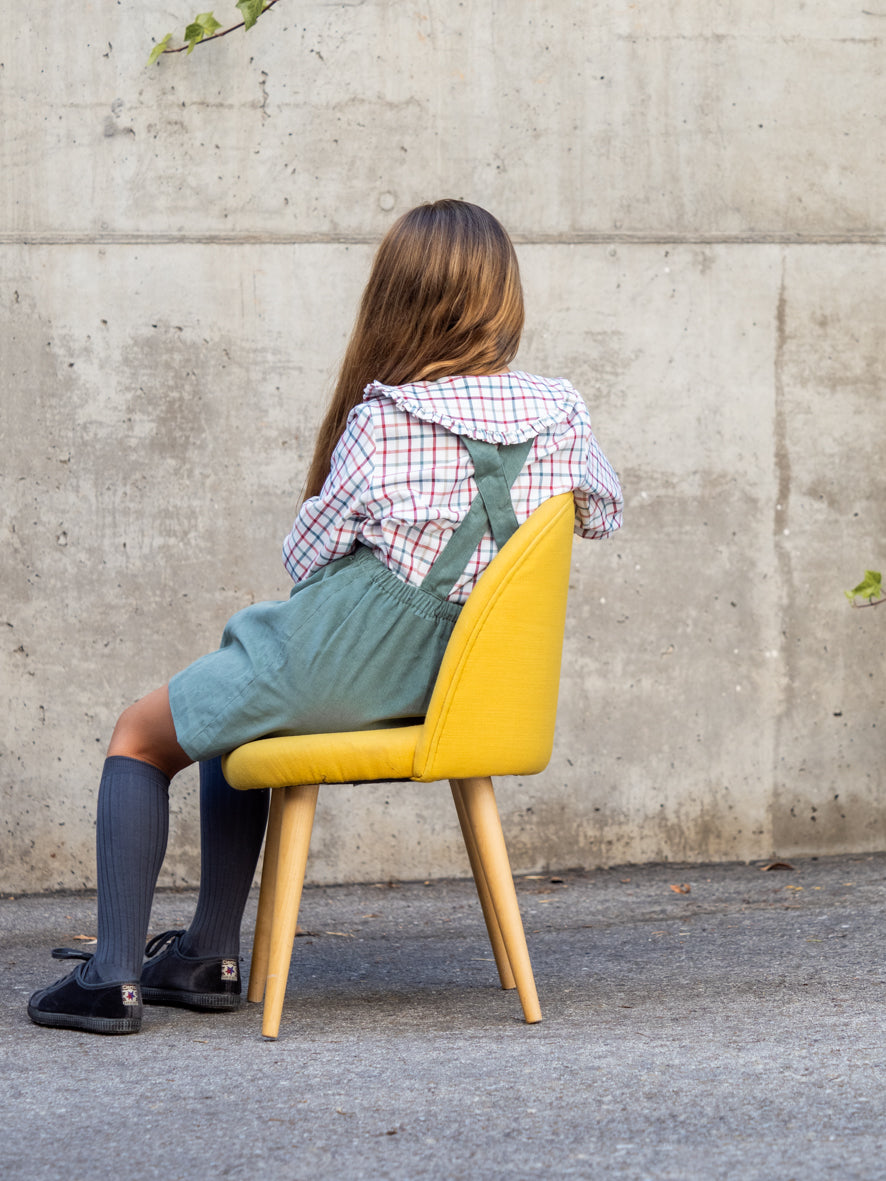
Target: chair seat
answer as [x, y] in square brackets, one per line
[325, 758]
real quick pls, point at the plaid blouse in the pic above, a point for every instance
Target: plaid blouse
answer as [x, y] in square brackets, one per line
[400, 482]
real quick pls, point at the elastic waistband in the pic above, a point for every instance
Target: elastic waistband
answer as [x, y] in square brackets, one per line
[422, 602]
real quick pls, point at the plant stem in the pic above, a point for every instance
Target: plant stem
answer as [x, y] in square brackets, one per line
[223, 33]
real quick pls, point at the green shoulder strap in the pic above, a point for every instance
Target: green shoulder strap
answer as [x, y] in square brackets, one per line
[495, 470]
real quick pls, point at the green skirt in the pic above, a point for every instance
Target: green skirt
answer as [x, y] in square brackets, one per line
[353, 648]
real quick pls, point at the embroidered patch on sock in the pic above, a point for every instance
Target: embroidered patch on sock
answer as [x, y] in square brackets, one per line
[129, 994]
[229, 970]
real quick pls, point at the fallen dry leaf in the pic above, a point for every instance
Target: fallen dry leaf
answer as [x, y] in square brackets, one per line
[776, 865]
[86, 938]
[683, 888]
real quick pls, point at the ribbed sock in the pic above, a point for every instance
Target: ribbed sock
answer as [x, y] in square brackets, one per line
[232, 826]
[132, 828]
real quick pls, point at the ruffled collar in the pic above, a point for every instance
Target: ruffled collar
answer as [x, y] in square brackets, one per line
[505, 408]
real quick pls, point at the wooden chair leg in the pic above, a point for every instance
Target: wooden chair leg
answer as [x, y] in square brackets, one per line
[298, 808]
[479, 801]
[261, 944]
[505, 975]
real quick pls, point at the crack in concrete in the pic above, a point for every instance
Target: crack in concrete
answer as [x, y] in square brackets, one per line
[591, 238]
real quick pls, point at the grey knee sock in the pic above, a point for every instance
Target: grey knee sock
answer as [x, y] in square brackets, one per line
[131, 832]
[232, 826]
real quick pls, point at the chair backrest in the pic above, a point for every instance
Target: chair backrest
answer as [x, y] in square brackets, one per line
[494, 704]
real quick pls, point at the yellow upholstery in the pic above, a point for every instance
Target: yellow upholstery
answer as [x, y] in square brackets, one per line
[324, 758]
[494, 705]
[492, 712]
[493, 708]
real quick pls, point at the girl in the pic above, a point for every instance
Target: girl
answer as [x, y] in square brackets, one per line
[425, 402]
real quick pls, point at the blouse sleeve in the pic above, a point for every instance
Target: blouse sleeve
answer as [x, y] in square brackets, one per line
[328, 525]
[597, 492]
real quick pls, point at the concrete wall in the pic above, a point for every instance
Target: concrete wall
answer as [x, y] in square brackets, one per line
[697, 192]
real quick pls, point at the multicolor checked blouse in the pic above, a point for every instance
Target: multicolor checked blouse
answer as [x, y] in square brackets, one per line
[400, 482]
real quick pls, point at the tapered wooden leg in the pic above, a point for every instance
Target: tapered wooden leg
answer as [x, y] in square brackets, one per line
[261, 944]
[299, 804]
[479, 802]
[505, 975]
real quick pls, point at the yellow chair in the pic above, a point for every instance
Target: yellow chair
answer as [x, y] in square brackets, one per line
[492, 712]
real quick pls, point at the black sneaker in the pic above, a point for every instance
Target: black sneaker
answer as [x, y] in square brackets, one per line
[171, 978]
[73, 1003]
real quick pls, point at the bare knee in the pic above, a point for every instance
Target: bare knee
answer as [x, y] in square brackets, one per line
[129, 736]
[146, 731]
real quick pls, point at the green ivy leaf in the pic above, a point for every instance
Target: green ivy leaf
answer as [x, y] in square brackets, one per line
[159, 49]
[871, 587]
[252, 10]
[209, 23]
[203, 25]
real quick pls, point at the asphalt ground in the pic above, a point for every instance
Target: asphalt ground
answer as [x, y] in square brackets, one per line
[734, 1029]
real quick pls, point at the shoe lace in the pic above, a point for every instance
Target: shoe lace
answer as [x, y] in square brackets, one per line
[69, 953]
[159, 941]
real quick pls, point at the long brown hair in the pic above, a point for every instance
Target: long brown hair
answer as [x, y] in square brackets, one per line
[443, 299]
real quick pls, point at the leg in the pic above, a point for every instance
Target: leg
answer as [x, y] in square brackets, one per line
[498, 948]
[295, 836]
[232, 826]
[264, 920]
[103, 996]
[131, 832]
[146, 731]
[479, 802]
[198, 968]
[132, 827]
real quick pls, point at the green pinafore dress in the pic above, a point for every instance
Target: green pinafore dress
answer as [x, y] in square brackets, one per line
[353, 648]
